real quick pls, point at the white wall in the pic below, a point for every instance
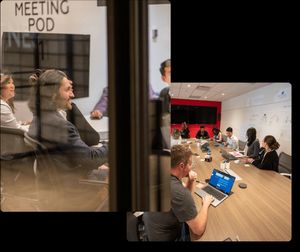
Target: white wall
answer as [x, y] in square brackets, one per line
[160, 48]
[267, 109]
[85, 17]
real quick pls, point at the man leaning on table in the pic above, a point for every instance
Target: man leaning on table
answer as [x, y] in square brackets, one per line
[174, 225]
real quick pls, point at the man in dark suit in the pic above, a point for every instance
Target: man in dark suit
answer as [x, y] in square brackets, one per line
[52, 94]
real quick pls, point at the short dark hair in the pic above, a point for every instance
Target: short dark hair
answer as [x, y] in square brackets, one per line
[202, 127]
[163, 65]
[216, 131]
[229, 129]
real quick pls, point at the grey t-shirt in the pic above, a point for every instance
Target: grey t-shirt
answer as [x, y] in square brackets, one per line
[166, 226]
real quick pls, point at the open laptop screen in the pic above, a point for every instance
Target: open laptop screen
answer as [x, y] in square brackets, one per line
[221, 181]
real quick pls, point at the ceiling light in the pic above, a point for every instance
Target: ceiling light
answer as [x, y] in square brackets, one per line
[189, 85]
[223, 94]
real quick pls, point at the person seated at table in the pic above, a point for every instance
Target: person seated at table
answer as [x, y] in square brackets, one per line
[202, 133]
[232, 140]
[52, 92]
[175, 137]
[217, 135]
[174, 225]
[185, 131]
[252, 143]
[267, 158]
[87, 133]
[8, 118]
[101, 108]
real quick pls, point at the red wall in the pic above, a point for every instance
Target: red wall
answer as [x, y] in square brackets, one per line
[195, 127]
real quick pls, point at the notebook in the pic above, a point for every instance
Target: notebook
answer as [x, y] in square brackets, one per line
[219, 186]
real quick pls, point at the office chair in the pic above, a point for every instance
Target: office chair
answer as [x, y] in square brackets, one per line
[15, 154]
[13, 145]
[17, 173]
[285, 165]
[242, 145]
[224, 138]
[63, 188]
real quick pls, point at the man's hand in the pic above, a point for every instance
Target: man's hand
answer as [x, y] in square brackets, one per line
[96, 114]
[192, 175]
[207, 200]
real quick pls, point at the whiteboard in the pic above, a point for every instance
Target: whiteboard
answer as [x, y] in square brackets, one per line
[268, 119]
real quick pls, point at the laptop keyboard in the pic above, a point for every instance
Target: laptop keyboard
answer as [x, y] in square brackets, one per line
[213, 192]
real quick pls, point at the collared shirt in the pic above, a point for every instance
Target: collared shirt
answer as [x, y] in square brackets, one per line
[232, 142]
[62, 113]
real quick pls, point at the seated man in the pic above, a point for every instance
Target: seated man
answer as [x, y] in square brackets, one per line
[175, 224]
[51, 97]
[202, 133]
[232, 140]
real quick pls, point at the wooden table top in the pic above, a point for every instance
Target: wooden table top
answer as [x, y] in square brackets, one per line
[261, 212]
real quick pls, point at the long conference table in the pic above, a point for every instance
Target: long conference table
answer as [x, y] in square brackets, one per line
[100, 125]
[261, 212]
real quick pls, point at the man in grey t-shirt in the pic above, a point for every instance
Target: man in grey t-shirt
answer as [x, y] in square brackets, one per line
[169, 226]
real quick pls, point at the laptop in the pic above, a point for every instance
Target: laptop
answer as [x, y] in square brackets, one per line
[219, 186]
[227, 155]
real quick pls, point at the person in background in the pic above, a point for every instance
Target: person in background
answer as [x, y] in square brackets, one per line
[217, 135]
[101, 108]
[52, 94]
[252, 143]
[202, 133]
[165, 71]
[8, 118]
[232, 140]
[183, 215]
[267, 158]
[185, 131]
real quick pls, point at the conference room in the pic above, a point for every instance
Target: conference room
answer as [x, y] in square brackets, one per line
[62, 138]
[217, 124]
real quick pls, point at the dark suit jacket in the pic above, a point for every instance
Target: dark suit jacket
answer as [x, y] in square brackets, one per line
[65, 141]
[269, 162]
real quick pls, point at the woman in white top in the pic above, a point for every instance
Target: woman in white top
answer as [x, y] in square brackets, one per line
[8, 118]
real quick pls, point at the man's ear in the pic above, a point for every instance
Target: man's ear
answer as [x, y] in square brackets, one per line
[181, 165]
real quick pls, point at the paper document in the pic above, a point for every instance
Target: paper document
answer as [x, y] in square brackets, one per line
[236, 154]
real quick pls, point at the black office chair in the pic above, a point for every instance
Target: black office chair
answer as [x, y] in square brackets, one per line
[62, 188]
[13, 145]
[285, 165]
[17, 170]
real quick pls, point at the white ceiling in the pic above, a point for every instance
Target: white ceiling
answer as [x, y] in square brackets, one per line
[212, 91]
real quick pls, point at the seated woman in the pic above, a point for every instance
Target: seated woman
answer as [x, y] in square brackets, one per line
[267, 158]
[252, 143]
[185, 131]
[8, 118]
[217, 135]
